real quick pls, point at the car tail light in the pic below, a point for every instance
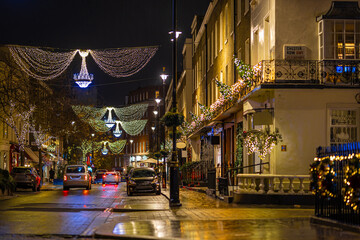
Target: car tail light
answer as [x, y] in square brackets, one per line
[104, 176]
[65, 177]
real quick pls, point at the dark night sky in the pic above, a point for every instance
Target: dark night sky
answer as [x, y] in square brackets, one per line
[91, 24]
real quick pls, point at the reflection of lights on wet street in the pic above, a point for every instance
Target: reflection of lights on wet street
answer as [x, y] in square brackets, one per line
[85, 192]
[65, 193]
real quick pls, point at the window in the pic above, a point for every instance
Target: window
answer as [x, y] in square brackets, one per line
[339, 39]
[238, 11]
[216, 38]
[226, 21]
[212, 47]
[208, 51]
[343, 126]
[221, 30]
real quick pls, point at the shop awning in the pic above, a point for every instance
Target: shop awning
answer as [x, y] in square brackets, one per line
[29, 153]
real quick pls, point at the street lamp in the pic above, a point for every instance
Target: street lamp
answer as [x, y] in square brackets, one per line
[157, 100]
[131, 149]
[174, 167]
[164, 77]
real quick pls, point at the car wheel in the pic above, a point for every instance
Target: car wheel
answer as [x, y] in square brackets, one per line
[129, 193]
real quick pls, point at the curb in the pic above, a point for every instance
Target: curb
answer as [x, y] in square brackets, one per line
[334, 223]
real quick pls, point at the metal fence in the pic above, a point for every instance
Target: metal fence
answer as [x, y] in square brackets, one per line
[335, 207]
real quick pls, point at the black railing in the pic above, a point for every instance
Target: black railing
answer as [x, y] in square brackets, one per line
[335, 207]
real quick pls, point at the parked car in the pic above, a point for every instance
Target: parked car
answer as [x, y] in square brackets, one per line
[142, 180]
[76, 176]
[111, 177]
[99, 175]
[26, 177]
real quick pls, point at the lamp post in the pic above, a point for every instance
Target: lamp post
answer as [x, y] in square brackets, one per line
[164, 77]
[156, 134]
[174, 166]
[131, 149]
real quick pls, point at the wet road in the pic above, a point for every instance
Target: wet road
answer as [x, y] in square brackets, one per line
[108, 212]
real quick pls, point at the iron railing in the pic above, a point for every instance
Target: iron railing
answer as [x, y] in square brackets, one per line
[335, 207]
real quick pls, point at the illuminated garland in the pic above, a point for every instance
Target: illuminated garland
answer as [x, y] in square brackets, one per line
[132, 112]
[86, 112]
[123, 62]
[24, 118]
[322, 177]
[261, 141]
[117, 147]
[86, 147]
[227, 95]
[98, 125]
[45, 64]
[133, 127]
[41, 64]
[352, 182]
[96, 146]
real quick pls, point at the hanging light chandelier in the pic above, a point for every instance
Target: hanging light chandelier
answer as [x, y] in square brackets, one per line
[83, 79]
[110, 122]
[117, 132]
[104, 150]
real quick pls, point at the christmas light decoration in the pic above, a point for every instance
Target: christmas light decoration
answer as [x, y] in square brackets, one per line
[21, 130]
[117, 147]
[123, 62]
[86, 112]
[96, 146]
[40, 136]
[41, 64]
[117, 132]
[110, 122]
[104, 151]
[132, 112]
[83, 79]
[98, 125]
[133, 127]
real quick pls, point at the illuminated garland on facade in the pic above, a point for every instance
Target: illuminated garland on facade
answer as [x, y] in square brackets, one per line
[132, 112]
[117, 147]
[20, 123]
[133, 128]
[261, 141]
[352, 182]
[41, 64]
[227, 94]
[123, 62]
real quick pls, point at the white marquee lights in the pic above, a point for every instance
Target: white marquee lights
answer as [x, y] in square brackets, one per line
[133, 128]
[123, 62]
[83, 79]
[132, 112]
[51, 63]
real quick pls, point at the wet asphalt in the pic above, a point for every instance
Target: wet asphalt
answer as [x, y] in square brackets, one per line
[106, 211]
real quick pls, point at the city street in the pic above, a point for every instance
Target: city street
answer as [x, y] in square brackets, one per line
[105, 212]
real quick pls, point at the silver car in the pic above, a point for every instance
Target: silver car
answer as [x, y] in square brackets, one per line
[111, 177]
[77, 176]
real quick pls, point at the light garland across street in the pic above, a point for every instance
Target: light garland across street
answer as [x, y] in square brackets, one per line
[98, 125]
[133, 128]
[132, 112]
[45, 64]
[117, 147]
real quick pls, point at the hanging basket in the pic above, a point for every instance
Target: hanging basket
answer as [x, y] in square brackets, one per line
[171, 119]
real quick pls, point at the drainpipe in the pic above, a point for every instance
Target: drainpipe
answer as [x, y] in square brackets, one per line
[234, 38]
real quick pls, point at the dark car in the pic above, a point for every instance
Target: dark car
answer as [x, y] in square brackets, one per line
[99, 174]
[143, 180]
[26, 177]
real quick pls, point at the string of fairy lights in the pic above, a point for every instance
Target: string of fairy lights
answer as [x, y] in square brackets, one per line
[45, 64]
[115, 147]
[129, 118]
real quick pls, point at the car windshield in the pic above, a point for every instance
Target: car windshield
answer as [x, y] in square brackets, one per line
[21, 170]
[143, 173]
[75, 169]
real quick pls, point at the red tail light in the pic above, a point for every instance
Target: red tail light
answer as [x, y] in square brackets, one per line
[65, 177]
[104, 176]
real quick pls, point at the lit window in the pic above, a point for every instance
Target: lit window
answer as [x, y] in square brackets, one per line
[343, 126]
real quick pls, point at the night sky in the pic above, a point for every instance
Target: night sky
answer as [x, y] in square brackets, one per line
[98, 24]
